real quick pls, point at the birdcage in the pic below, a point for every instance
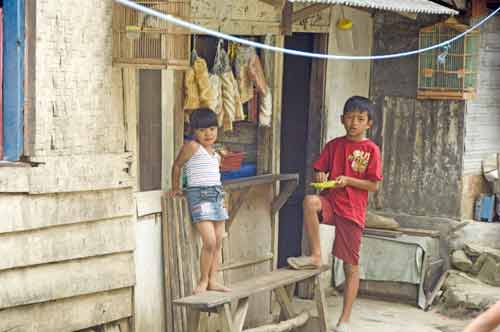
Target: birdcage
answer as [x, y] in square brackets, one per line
[449, 72]
[146, 41]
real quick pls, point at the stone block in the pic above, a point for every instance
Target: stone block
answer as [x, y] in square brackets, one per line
[460, 261]
[490, 272]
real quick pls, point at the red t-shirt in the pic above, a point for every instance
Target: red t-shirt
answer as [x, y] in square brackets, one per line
[361, 160]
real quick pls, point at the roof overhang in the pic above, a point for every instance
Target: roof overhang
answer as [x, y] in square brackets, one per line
[405, 6]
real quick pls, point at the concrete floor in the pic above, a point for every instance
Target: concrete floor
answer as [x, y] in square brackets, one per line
[380, 316]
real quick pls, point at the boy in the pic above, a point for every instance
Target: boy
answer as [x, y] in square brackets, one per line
[353, 161]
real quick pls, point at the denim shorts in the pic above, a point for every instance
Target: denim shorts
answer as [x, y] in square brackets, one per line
[206, 203]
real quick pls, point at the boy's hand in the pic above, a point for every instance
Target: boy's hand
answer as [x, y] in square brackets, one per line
[320, 177]
[173, 193]
[343, 181]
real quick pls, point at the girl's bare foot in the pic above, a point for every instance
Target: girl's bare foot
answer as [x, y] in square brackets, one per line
[215, 286]
[201, 287]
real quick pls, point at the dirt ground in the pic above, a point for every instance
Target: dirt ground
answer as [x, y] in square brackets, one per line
[380, 316]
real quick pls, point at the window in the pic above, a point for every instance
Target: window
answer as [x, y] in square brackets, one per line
[17, 78]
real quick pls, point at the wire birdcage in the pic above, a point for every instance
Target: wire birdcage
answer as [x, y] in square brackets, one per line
[146, 41]
[449, 72]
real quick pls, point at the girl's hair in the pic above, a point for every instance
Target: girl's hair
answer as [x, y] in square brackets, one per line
[202, 118]
[360, 104]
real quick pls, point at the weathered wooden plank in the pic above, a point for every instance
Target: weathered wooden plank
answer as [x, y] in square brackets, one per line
[14, 179]
[81, 173]
[148, 202]
[168, 129]
[284, 326]
[246, 288]
[130, 106]
[66, 279]
[27, 212]
[246, 262]
[29, 79]
[382, 232]
[149, 300]
[71, 314]
[305, 12]
[64, 243]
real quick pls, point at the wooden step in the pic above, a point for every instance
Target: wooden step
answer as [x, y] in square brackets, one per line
[246, 288]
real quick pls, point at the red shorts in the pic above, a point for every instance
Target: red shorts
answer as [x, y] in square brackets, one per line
[347, 234]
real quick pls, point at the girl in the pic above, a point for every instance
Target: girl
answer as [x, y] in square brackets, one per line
[204, 193]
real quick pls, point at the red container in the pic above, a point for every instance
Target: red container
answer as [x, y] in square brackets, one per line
[232, 161]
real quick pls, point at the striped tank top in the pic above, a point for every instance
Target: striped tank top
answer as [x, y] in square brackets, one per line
[202, 170]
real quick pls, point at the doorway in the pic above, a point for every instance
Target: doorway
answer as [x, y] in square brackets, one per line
[301, 132]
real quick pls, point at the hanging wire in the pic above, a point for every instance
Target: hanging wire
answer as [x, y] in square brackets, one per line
[200, 29]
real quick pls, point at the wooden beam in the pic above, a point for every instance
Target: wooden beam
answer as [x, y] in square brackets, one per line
[284, 326]
[286, 19]
[247, 262]
[305, 12]
[275, 3]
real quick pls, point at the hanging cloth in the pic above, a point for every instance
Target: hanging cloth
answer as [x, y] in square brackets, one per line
[206, 93]
[232, 109]
[241, 69]
[257, 74]
[192, 95]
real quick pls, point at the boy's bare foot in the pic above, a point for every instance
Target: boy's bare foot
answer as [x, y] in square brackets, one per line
[201, 287]
[305, 262]
[215, 286]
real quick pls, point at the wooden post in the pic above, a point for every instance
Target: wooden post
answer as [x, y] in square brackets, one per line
[226, 318]
[287, 309]
[479, 8]
[286, 19]
[319, 298]
[193, 320]
[240, 315]
[276, 138]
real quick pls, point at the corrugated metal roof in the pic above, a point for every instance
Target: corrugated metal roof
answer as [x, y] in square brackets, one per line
[412, 6]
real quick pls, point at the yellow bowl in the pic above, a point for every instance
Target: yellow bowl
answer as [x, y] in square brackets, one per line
[324, 185]
[344, 24]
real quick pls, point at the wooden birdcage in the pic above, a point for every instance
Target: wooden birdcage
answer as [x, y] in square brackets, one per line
[146, 41]
[449, 72]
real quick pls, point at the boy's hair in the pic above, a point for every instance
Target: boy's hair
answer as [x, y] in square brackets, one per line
[360, 104]
[202, 118]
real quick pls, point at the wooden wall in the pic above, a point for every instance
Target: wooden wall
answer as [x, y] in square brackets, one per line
[67, 233]
[422, 150]
[347, 78]
[241, 17]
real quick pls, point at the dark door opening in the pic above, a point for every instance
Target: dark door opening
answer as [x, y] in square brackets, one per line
[301, 132]
[150, 151]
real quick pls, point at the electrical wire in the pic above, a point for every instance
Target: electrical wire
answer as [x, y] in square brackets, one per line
[203, 30]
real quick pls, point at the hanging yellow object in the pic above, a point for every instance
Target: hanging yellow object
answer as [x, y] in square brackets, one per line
[344, 24]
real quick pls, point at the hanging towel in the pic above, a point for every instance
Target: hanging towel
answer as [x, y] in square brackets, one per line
[192, 98]
[206, 93]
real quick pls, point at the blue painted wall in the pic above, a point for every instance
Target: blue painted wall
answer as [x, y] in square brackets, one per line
[13, 78]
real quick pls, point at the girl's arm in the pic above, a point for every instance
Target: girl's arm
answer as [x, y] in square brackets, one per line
[187, 151]
[367, 185]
